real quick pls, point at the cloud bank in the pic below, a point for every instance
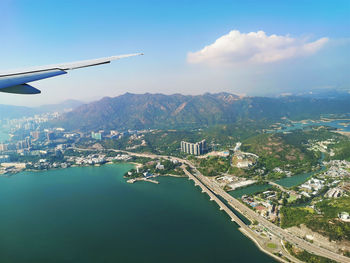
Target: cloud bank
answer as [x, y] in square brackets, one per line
[254, 47]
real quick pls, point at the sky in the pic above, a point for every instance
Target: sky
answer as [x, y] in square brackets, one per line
[254, 48]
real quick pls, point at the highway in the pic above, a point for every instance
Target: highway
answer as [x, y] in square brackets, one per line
[246, 229]
[213, 197]
[284, 235]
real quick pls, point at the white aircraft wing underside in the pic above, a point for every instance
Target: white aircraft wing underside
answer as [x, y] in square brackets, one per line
[16, 81]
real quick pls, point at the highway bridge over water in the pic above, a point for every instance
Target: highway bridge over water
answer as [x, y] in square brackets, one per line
[213, 197]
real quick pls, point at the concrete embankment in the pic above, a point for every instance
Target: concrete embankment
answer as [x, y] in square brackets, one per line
[131, 181]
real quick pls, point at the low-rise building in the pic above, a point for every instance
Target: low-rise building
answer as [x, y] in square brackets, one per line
[344, 216]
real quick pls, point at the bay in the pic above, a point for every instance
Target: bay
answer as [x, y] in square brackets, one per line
[343, 125]
[90, 214]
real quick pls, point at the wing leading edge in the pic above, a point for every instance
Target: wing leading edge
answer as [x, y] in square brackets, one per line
[16, 81]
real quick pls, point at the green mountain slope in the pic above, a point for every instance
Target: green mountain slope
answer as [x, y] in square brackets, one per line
[138, 111]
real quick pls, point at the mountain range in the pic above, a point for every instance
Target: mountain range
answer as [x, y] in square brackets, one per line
[139, 111]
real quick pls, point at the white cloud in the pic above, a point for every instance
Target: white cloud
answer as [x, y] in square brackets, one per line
[254, 47]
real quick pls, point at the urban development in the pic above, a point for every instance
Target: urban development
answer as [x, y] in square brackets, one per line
[296, 200]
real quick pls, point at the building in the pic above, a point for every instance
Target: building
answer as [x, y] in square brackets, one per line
[21, 145]
[28, 141]
[344, 216]
[160, 166]
[4, 158]
[50, 135]
[3, 147]
[35, 135]
[114, 133]
[96, 135]
[197, 148]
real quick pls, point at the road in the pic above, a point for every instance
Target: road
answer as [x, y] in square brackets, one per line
[283, 234]
[279, 186]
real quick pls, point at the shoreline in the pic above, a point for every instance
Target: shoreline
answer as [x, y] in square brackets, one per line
[250, 236]
[62, 168]
[245, 233]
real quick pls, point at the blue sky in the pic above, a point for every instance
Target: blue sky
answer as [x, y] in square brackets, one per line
[36, 32]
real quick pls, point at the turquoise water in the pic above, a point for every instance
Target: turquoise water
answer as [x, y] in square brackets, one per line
[90, 214]
[300, 178]
[4, 135]
[251, 189]
[286, 182]
[335, 124]
[294, 180]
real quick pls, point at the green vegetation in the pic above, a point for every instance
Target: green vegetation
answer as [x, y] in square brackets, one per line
[140, 111]
[141, 160]
[286, 151]
[325, 223]
[119, 144]
[227, 135]
[329, 224]
[240, 172]
[150, 166]
[306, 256]
[213, 166]
[271, 245]
[332, 207]
[294, 216]
[219, 137]
[341, 150]
[168, 142]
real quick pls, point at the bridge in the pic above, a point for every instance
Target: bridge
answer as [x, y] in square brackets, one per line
[213, 197]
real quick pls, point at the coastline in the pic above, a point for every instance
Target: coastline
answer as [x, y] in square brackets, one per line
[251, 237]
[345, 133]
[244, 232]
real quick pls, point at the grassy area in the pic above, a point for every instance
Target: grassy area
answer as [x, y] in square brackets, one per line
[213, 166]
[326, 223]
[306, 256]
[341, 150]
[282, 150]
[292, 198]
[272, 245]
[294, 216]
[332, 207]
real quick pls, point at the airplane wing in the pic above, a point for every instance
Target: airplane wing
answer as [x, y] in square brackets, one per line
[16, 81]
